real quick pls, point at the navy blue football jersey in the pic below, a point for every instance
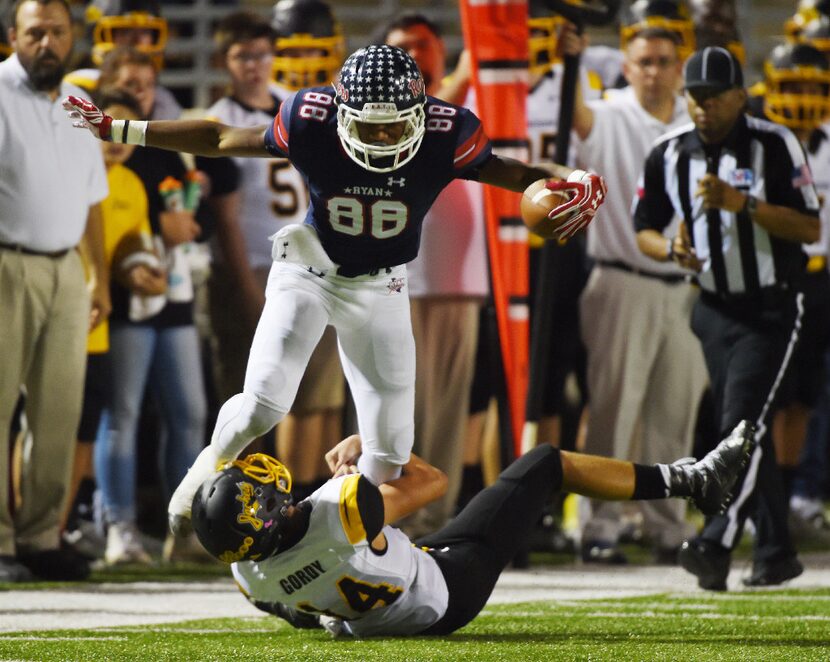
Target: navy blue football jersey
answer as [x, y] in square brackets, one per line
[370, 220]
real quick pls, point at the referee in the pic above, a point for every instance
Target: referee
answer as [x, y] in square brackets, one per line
[744, 190]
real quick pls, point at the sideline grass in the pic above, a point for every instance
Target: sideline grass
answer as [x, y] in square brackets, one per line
[770, 625]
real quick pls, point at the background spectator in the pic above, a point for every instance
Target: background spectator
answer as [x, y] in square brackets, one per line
[645, 367]
[50, 189]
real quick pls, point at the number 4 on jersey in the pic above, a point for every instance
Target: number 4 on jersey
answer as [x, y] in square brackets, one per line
[363, 596]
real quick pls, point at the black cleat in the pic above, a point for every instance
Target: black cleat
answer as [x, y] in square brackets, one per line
[706, 561]
[709, 482]
[772, 573]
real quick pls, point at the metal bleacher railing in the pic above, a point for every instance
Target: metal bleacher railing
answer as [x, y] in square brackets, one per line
[194, 76]
[191, 71]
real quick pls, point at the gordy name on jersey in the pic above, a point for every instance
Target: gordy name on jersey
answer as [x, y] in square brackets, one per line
[369, 220]
[334, 571]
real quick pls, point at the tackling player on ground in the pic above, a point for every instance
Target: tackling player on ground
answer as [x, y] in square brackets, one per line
[332, 560]
[375, 152]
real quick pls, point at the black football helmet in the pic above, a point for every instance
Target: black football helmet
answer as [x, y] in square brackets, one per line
[671, 15]
[309, 46]
[716, 24]
[120, 22]
[797, 78]
[380, 85]
[238, 514]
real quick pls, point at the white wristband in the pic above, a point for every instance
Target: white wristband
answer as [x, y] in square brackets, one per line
[130, 132]
[577, 176]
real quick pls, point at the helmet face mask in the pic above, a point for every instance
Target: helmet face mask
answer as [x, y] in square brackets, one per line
[135, 23]
[239, 513]
[380, 85]
[797, 87]
[309, 45]
[543, 42]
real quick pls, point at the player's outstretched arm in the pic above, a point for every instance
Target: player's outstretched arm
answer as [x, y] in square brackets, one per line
[585, 190]
[516, 176]
[199, 137]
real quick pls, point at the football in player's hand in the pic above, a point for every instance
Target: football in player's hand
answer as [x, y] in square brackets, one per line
[537, 202]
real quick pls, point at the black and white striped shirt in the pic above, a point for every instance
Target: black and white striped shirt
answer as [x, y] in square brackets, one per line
[759, 158]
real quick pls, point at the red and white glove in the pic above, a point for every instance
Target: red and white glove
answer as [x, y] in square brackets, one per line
[87, 115]
[588, 192]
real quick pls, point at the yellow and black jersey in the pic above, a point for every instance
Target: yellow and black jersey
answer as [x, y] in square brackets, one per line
[333, 570]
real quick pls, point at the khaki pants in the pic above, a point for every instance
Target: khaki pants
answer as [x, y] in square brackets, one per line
[646, 375]
[43, 331]
[446, 334]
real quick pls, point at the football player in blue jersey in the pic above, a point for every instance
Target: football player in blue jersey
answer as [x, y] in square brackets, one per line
[375, 152]
[332, 560]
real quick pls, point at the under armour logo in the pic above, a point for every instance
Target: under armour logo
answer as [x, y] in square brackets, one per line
[396, 182]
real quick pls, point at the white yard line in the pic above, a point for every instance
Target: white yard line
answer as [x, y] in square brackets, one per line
[146, 603]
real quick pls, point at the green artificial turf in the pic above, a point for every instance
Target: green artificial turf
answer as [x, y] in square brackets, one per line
[765, 625]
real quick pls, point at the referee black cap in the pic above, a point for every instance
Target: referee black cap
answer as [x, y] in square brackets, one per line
[714, 68]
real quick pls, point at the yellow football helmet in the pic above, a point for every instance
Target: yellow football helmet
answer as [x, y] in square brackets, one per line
[543, 27]
[670, 15]
[797, 78]
[309, 47]
[136, 23]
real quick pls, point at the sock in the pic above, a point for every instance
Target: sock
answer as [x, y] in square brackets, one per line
[650, 482]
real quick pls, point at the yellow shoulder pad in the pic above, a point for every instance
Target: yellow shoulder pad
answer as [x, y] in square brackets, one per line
[349, 513]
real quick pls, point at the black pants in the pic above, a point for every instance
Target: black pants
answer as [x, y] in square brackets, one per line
[474, 548]
[747, 346]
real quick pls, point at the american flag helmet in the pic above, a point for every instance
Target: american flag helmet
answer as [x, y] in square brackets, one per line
[380, 85]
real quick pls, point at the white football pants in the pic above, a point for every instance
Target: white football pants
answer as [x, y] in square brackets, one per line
[377, 349]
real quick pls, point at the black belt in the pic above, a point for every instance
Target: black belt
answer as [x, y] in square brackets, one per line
[28, 251]
[354, 272]
[622, 266]
[770, 297]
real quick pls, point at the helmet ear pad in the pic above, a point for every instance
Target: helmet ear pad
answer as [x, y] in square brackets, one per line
[237, 518]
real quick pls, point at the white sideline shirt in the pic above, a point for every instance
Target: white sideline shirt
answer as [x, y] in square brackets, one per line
[616, 148]
[273, 194]
[50, 173]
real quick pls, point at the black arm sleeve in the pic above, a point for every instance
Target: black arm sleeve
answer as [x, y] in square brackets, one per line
[653, 207]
